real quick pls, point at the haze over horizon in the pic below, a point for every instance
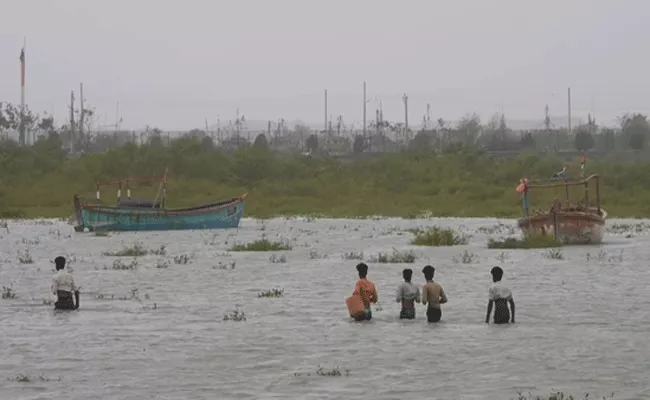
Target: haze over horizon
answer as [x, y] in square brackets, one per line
[172, 65]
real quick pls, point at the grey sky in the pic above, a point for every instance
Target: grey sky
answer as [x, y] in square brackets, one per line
[172, 64]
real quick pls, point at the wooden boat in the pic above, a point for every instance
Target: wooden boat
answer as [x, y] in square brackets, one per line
[145, 215]
[580, 224]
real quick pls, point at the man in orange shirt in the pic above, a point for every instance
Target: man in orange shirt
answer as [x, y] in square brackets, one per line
[365, 289]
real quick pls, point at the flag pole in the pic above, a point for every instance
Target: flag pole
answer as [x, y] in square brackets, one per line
[22, 93]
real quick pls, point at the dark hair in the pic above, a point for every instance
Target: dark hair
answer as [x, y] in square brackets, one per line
[362, 268]
[428, 272]
[497, 273]
[407, 274]
[59, 262]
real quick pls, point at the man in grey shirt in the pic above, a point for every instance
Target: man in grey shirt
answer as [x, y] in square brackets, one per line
[407, 294]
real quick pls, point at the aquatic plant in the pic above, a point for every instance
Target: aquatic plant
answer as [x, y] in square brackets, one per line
[556, 396]
[26, 379]
[275, 259]
[162, 264]
[182, 259]
[321, 371]
[272, 293]
[236, 315]
[603, 256]
[161, 251]
[394, 258]
[314, 255]
[118, 265]
[261, 245]
[352, 255]
[436, 236]
[25, 257]
[554, 254]
[8, 293]
[224, 266]
[465, 258]
[100, 233]
[528, 242]
[136, 250]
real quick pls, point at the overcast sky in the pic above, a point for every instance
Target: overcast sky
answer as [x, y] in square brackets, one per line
[172, 64]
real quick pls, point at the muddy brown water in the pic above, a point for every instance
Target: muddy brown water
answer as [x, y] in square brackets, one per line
[157, 331]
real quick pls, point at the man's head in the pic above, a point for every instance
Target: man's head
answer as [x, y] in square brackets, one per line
[59, 262]
[497, 274]
[428, 272]
[407, 274]
[362, 268]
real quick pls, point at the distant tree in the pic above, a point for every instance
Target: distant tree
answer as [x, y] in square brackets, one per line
[528, 141]
[358, 144]
[468, 129]
[636, 128]
[421, 142]
[608, 139]
[312, 143]
[155, 138]
[207, 143]
[584, 140]
[261, 142]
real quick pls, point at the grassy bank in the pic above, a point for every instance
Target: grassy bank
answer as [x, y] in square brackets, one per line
[40, 181]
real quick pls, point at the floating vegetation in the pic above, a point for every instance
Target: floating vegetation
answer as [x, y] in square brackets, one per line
[161, 251]
[162, 264]
[100, 233]
[134, 296]
[224, 266]
[465, 258]
[182, 259]
[25, 257]
[394, 258]
[528, 242]
[26, 379]
[353, 255]
[235, 316]
[321, 371]
[314, 255]
[8, 293]
[272, 293]
[639, 227]
[136, 250]
[275, 259]
[119, 265]
[503, 257]
[603, 256]
[557, 396]
[436, 236]
[498, 229]
[261, 245]
[554, 254]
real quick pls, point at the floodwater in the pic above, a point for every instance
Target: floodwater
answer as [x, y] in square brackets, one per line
[157, 331]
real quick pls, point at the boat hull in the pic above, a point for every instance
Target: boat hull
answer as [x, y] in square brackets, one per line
[572, 227]
[221, 215]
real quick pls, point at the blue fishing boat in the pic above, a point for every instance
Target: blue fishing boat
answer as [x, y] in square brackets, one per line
[145, 215]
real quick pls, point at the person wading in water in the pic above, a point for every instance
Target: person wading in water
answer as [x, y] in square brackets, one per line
[365, 289]
[499, 296]
[433, 295]
[63, 287]
[408, 294]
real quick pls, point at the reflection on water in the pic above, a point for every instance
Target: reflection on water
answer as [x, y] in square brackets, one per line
[157, 330]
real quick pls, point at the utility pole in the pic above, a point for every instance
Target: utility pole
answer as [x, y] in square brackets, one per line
[81, 114]
[325, 128]
[569, 101]
[72, 133]
[406, 113]
[364, 110]
[428, 114]
[547, 119]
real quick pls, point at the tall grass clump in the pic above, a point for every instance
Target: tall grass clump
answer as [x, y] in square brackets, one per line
[396, 257]
[135, 250]
[527, 242]
[437, 236]
[261, 245]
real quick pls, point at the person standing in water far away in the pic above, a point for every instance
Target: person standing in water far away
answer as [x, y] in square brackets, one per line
[63, 287]
[407, 294]
[432, 295]
[499, 297]
[365, 289]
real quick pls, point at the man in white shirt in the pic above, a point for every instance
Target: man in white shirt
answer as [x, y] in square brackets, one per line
[408, 294]
[63, 287]
[499, 297]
